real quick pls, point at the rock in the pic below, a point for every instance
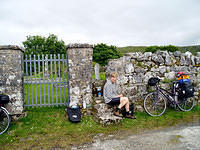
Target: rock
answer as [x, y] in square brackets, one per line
[182, 60]
[158, 59]
[104, 114]
[134, 55]
[130, 91]
[139, 108]
[162, 69]
[197, 60]
[170, 75]
[162, 53]
[129, 68]
[137, 78]
[126, 59]
[122, 80]
[168, 60]
[146, 56]
[188, 54]
[140, 70]
[177, 53]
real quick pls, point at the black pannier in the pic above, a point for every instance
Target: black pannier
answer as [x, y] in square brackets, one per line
[186, 90]
[74, 114]
[153, 81]
[4, 99]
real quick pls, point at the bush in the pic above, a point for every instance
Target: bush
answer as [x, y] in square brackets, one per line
[169, 48]
[102, 53]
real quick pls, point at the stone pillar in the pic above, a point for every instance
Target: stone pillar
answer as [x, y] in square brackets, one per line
[11, 77]
[80, 73]
[96, 70]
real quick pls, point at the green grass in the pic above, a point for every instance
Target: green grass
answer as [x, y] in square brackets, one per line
[44, 98]
[45, 128]
[102, 76]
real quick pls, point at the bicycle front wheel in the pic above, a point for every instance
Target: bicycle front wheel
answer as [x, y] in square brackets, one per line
[4, 121]
[186, 104]
[154, 104]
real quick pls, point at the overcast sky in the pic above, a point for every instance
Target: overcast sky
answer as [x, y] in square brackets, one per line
[116, 22]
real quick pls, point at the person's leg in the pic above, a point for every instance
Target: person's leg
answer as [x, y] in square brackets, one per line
[123, 101]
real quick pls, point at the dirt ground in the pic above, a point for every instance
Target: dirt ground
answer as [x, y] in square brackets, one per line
[180, 137]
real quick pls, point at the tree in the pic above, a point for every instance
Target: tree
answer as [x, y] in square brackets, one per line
[42, 45]
[102, 53]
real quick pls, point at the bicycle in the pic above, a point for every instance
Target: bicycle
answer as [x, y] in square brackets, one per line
[4, 114]
[155, 102]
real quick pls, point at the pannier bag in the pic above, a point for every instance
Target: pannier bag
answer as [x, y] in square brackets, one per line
[186, 86]
[4, 99]
[153, 81]
[74, 114]
[186, 89]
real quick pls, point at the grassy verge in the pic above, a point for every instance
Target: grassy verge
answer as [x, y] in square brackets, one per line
[45, 128]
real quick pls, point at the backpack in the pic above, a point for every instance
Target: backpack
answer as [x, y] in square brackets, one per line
[186, 89]
[74, 114]
[153, 81]
[4, 99]
[131, 109]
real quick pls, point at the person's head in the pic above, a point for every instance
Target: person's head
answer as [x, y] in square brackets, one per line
[113, 77]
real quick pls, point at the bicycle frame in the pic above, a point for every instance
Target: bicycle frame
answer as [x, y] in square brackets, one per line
[163, 92]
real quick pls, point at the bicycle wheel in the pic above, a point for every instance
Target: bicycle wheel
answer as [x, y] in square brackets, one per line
[186, 104]
[4, 121]
[154, 104]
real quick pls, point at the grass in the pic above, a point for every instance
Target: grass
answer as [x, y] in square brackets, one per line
[102, 76]
[45, 98]
[45, 128]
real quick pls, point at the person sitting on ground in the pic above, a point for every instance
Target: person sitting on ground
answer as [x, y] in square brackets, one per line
[112, 98]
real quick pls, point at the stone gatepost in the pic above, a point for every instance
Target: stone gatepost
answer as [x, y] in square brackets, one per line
[11, 77]
[80, 73]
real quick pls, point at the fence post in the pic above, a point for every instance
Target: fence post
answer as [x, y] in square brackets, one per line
[80, 73]
[11, 77]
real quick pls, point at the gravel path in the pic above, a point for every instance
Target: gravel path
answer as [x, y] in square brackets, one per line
[182, 137]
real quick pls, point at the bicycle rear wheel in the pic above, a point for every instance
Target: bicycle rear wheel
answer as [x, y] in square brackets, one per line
[4, 121]
[154, 104]
[186, 104]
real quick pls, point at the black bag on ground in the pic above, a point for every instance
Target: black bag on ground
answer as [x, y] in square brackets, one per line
[131, 109]
[4, 99]
[74, 114]
[186, 90]
[153, 81]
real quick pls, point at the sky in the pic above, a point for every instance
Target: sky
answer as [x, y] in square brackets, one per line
[114, 22]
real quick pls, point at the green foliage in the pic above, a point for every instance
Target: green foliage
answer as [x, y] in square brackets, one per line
[169, 48]
[132, 49]
[102, 53]
[42, 45]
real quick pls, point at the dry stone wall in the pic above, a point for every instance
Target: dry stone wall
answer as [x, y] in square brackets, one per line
[135, 69]
[11, 77]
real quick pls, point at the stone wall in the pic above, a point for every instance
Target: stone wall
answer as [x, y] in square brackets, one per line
[80, 73]
[135, 69]
[11, 77]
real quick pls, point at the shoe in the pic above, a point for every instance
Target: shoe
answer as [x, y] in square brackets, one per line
[130, 116]
[117, 113]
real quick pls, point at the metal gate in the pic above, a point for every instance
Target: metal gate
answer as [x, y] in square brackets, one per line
[45, 80]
